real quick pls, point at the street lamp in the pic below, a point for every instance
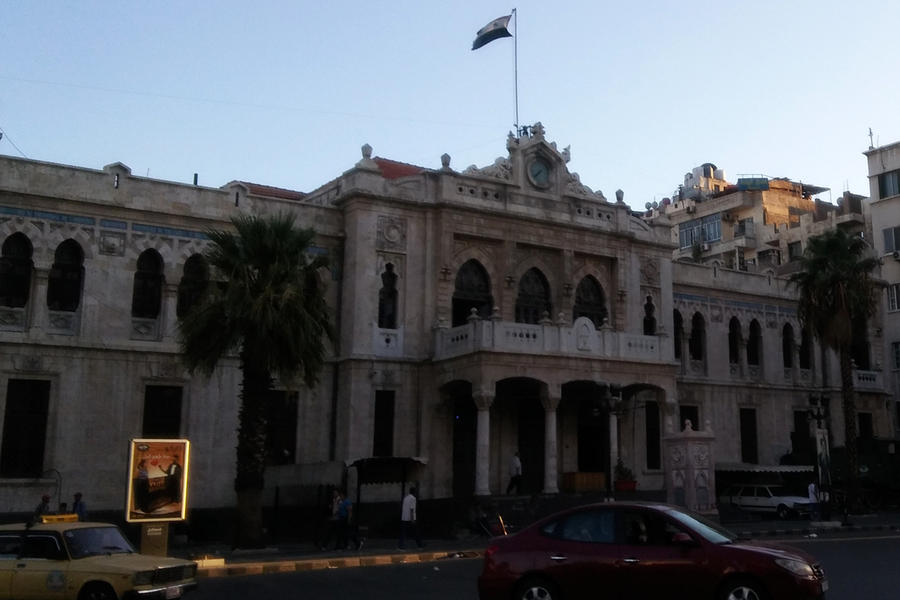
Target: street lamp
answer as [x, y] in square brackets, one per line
[610, 401]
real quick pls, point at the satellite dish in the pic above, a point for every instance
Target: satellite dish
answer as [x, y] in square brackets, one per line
[647, 206]
[655, 204]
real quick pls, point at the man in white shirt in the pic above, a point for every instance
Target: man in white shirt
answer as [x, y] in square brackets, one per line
[408, 523]
[813, 493]
[515, 474]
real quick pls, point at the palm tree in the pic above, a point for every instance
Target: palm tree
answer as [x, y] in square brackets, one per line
[836, 290]
[268, 306]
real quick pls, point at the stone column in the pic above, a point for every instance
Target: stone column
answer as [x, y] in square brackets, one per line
[551, 458]
[613, 444]
[743, 363]
[38, 301]
[483, 401]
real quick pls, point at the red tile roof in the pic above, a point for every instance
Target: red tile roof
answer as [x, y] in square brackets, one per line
[391, 169]
[273, 192]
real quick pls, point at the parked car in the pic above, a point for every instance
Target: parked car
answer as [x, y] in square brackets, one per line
[71, 560]
[765, 498]
[622, 550]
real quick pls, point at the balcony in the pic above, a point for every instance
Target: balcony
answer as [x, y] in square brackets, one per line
[865, 381]
[579, 339]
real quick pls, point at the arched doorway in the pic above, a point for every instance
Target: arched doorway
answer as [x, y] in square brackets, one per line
[465, 420]
[519, 399]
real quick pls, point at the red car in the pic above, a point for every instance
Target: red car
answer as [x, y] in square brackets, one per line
[641, 550]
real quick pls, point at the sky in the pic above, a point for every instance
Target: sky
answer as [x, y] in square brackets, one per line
[285, 93]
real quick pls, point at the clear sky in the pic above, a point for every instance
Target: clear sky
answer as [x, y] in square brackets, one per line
[285, 93]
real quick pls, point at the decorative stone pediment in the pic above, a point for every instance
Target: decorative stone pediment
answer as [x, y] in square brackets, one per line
[501, 169]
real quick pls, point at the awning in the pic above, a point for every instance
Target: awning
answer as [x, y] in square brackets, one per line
[751, 468]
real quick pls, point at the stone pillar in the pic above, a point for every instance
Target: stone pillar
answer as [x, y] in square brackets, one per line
[483, 401]
[551, 453]
[743, 363]
[38, 301]
[613, 444]
[690, 468]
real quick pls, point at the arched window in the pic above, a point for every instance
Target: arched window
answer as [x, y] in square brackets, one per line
[754, 343]
[146, 298]
[15, 271]
[194, 279]
[471, 290]
[649, 318]
[533, 300]
[590, 301]
[678, 323]
[805, 349]
[697, 343]
[387, 299]
[734, 341]
[66, 277]
[859, 345]
[787, 346]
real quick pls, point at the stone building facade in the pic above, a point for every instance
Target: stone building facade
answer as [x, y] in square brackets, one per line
[479, 313]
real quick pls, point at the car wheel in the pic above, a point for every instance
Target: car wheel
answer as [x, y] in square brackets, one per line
[536, 589]
[783, 511]
[97, 591]
[742, 589]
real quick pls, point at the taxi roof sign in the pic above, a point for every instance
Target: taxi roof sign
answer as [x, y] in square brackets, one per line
[66, 518]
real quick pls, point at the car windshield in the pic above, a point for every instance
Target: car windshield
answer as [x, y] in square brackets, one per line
[708, 530]
[92, 541]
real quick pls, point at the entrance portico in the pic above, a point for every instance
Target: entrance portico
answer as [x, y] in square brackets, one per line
[556, 426]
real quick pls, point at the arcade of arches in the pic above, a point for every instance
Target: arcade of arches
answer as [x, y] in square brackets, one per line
[583, 427]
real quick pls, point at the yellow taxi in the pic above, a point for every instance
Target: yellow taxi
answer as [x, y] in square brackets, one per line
[62, 558]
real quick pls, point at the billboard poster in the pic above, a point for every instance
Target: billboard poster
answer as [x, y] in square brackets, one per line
[157, 480]
[824, 459]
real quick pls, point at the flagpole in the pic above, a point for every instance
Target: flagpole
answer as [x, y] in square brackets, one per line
[516, 64]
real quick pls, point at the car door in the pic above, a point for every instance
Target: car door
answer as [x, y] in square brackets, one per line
[660, 558]
[10, 547]
[579, 553]
[41, 569]
[739, 496]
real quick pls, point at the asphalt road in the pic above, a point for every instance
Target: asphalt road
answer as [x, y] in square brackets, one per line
[863, 566]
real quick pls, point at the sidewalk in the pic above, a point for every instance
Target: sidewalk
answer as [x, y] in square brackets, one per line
[222, 561]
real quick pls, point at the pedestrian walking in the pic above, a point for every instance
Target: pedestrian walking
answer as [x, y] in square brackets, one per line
[332, 530]
[79, 507]
[515, 475]
[812, 492]
[409, 524]
[344, 519]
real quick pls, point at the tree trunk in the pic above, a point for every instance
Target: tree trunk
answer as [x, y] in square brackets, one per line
[249, 519]
[251, 453]
[848, 404]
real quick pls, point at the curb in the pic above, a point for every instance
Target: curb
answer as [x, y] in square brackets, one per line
[316, 564]
[806, 531]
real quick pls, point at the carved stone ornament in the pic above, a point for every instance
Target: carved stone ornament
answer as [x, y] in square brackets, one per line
[391, 233]
[112, 243]
[574, 187]
[649, 271]
[501, 169]
[700, 456]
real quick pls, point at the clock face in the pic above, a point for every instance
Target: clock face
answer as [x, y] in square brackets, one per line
[539, 171]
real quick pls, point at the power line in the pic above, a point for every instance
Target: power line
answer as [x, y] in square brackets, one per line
[6, 135]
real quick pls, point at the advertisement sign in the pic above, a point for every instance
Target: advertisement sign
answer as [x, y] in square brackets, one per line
[824, 459]
[157, 480]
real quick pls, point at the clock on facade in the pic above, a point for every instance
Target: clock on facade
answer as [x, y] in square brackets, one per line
[539, 172]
